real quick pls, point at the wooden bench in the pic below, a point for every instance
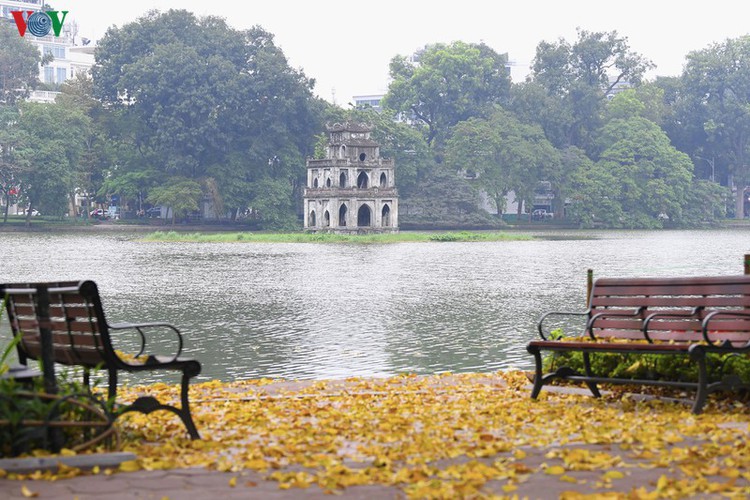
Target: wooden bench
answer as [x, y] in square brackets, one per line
[689, 317]
[64, 322]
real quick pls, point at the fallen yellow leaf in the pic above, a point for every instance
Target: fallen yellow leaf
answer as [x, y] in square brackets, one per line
[555, 470]
[613, 474]
[28, 493]
[130, 466]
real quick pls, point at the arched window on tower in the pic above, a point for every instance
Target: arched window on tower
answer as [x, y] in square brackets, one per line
[362, 180]
[386, 216]
[311, 220]
[342, 215]
[315, 182]
[328, 182]
[383, 181]
[364, 216]
[342, 179]
[327, 219]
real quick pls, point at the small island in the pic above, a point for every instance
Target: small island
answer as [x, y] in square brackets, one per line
[402, 237]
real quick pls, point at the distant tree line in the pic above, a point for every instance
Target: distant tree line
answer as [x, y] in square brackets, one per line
[180, 110]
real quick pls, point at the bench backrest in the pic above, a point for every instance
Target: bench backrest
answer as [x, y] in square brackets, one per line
[674, 299]
[75, 321]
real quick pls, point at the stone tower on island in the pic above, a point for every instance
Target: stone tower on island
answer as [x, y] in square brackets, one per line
[353, 189]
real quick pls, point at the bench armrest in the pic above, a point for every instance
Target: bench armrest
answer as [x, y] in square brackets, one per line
[657, 315]
[540, 325]
[139, 328]
[616, 313]
[710, 316]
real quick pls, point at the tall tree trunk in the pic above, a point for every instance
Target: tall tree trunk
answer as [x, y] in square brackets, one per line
[72, 202]
[740, 202]
[558, 204]
[500, 204]
[7, 207]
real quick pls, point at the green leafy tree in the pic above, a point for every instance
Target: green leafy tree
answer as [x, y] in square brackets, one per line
[572, 161]
[707, 202]
[19, 65]
[504, 154]
[639, 181]
[272, 204]
[716, 106]
[532, 103]
[180, 194]
[99, 141]
[447, 83]
[205, 101]
[49, 148]
[444, 200]
[581, 75]
[132, 185]
[10, 140]
[684, 120]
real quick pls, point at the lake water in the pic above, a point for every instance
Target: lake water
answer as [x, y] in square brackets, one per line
[314, 311]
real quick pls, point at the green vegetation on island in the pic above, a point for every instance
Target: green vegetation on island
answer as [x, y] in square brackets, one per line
[403, 237]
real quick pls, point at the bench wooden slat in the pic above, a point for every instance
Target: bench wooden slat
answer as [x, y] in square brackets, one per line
[56, 311]
[637, 324]
[65, 338]
[684, 281]
[87, 357]
[688, 302]
[32, 325]
[673, 326]
[668, 289]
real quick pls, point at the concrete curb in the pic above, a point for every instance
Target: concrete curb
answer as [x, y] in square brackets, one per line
[24, 465]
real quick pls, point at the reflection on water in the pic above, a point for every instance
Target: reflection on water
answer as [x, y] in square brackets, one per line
[336, 310]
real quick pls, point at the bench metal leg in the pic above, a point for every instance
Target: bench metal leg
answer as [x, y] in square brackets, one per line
[589, 373]
[149, 404]
[538, 378]
[112, 390]
[702, 393]
[185, 415]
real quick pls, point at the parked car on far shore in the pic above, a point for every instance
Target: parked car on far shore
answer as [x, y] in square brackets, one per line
[99, 213]
[541, 214]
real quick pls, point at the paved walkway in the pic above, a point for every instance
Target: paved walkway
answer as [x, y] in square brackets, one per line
[200, 483]
[203, 484]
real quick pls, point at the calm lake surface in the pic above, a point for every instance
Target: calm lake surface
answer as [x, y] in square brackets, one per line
[314, 311]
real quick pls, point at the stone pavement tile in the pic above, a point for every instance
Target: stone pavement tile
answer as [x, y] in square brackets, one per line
[184, 484]
[99, 484]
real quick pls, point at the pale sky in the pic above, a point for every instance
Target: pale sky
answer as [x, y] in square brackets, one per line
[346, 46]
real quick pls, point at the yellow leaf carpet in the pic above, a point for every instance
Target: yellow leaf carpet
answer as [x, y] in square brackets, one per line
[445, 436]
